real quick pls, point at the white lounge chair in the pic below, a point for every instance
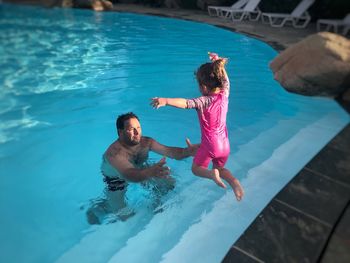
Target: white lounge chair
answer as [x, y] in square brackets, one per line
[215, 10]
[250, 11]
[346, 30]
[334, 24]
[300, 18]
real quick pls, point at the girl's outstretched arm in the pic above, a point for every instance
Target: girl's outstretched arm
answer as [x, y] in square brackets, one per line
[175, 102]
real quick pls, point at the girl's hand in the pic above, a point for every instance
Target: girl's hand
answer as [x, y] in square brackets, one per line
[213, 56]
[158, 102]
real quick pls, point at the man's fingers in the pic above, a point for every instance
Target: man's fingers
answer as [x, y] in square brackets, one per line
[165, 171]
[188, 142]
[162, 171]
[162, 161]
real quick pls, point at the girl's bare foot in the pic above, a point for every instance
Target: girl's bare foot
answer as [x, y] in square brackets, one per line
[237, 189]
[217, 178]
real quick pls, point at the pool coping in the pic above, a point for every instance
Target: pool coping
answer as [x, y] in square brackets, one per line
[294, 226]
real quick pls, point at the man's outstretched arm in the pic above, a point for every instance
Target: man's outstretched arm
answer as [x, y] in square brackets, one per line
[174, 152]
[133, 174]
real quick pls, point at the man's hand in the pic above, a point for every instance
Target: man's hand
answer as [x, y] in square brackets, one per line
[160, 169]
[191, 148]
[158, 102]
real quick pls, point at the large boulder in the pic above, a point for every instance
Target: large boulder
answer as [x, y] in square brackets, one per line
[319, 65]
[97, 5]
[102, 5]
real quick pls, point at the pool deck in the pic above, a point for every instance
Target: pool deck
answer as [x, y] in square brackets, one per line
[309, 219]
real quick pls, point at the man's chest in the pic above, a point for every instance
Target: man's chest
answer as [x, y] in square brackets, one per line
[138, 156]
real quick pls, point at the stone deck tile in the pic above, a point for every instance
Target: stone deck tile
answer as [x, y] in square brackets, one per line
[282, 234]
[316, 196]
[237, 255]
[332, 163]
[338, 249]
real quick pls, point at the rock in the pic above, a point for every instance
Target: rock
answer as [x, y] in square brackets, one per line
[102, 5]
[203, 4]
[319, 65]
[67, 3]
[96, 5]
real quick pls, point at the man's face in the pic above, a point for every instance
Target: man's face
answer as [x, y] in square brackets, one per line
[131, 134]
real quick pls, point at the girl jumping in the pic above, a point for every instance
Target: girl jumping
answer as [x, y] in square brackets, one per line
[212, 109]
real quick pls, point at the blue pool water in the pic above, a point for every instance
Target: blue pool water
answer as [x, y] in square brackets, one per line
[67, 74]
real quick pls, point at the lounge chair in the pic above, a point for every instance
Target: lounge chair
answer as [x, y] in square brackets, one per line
[216, 10]
[300, 18]
[250, 11]
[334, 24]
[346, 30]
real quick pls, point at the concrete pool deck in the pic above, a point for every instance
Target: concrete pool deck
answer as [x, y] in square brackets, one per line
[308, 220]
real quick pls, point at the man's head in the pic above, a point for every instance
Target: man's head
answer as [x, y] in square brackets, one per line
[129, 128]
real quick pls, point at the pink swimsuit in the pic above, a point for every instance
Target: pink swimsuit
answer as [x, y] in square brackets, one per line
[212, 111]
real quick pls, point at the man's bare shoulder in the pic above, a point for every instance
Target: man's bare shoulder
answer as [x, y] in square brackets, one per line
[146, 140]
[115, 150]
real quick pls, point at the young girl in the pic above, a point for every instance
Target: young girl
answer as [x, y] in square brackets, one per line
[212, 110]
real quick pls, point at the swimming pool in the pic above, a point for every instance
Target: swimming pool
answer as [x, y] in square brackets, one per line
[66, 75]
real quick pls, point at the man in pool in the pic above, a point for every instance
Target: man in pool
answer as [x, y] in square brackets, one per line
[125, 161]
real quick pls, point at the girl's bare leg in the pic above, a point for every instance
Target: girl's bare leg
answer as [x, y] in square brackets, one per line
[210, 174]
[232, 181]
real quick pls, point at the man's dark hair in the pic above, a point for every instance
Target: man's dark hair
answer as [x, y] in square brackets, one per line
[124, 117]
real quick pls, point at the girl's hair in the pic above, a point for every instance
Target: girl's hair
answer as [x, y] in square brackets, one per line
[212, 74]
